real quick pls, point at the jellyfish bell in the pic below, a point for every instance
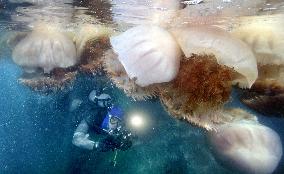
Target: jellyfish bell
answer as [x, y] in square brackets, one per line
[45, 47]
[47, 56]
[140, 60]
[247, 147]
[226, 49]
[169, 4]
[149, 54]
[119, 77]
[265, 36]
[56, 67]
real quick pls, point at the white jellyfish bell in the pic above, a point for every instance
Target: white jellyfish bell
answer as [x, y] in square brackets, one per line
[47, 48]
[226, 49]
[148, 53]
[265, 36]
[247, 147]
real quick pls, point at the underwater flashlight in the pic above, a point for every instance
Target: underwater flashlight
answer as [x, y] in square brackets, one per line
[136, 120]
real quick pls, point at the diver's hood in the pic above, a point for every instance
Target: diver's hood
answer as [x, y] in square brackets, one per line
[93, 96]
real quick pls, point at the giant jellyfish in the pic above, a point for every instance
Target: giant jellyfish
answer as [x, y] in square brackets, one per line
[212, 63]
[265, 36]
[51, 57]
[246, 146]
[145, 55]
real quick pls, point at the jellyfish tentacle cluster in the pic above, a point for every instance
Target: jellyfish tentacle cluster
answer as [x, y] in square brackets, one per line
[92, 41]
[201, 86]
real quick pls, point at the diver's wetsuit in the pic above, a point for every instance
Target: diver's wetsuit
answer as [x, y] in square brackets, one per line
[96, 118]
[93, 117]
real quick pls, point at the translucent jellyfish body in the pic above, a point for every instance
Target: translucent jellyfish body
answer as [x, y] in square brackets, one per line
[45, 47]
[149, 54]
[54, 52]
[118, 75]
[247, 147]
[265, 36]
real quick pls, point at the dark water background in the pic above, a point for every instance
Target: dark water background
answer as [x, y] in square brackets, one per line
[36, 131]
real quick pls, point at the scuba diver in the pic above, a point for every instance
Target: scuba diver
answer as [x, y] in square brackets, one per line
[105, 119]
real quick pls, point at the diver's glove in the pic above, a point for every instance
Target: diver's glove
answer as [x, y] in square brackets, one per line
[123, 139]
[118, 140]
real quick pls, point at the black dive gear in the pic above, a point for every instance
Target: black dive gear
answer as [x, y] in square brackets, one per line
[116, 139]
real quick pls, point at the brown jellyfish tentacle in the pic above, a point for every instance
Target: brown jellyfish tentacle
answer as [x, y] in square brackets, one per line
[89, 32]
[267, 105]
[91, 42]
[118, 75]
[267, 93]
[92, 55]
[199, 91]
[58, 80]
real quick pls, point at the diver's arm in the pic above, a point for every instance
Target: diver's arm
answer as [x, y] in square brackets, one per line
[81, 136]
